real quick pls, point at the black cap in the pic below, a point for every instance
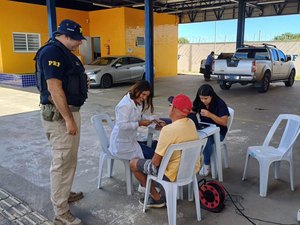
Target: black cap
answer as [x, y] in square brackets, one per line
[70, 29]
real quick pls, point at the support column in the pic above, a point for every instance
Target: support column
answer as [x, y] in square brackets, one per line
[149, 41]
[51, 12]
[241, 24]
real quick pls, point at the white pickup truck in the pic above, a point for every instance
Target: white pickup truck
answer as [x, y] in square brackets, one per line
[258, 65]
[223, 55]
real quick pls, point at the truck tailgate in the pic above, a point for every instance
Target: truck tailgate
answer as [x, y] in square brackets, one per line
[233, 67]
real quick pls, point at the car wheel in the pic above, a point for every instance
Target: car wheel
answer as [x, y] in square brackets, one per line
[106, 81]
[265, 83]
[291, 79]
[225, 85]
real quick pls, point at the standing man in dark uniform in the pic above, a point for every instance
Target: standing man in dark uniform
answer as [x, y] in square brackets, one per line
[63, 89]
[208, 65]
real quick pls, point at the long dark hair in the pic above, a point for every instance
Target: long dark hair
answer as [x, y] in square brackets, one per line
[136, 90]
[204, 90]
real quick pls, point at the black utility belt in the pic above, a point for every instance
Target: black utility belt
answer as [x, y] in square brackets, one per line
[72, 108]
[51, 113]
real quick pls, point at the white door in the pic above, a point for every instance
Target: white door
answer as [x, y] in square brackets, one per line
[86, 50]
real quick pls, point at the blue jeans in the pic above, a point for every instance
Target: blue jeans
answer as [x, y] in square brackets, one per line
[209, 148]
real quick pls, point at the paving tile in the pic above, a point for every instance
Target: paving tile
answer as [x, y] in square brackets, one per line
[3, 194]
[15, 211]
[4, 221]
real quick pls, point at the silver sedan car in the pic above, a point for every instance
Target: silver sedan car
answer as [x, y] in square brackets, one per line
[108, 70]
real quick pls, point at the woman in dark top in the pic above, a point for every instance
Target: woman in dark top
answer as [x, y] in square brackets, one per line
[212, 109]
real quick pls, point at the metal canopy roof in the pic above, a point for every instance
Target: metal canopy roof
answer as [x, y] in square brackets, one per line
[189, 10]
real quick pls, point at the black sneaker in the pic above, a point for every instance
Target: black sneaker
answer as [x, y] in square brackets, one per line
[154, 203]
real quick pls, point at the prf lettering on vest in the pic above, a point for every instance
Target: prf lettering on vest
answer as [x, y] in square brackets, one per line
[54, 63]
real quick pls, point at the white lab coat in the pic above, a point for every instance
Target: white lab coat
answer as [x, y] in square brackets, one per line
[123, 139]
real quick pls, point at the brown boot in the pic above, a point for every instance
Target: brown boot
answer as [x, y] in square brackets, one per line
[67, 219]
[75, 196]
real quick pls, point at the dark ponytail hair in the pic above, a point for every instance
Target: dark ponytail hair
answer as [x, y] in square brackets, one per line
[204, 90]
[137, 89]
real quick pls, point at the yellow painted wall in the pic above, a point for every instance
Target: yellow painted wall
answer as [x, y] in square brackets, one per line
[1, 64]
[27, 18]
[109, 26]
[134, 27]
[13, 17]
[166, 44]
[165, 39]
[117, 28]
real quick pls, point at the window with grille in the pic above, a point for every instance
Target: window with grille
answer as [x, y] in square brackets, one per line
[26, 42]
[140, 42]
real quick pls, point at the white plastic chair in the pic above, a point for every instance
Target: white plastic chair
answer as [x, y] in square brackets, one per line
[267, 155]
[223, 143]
[104, 154]
[190, 152]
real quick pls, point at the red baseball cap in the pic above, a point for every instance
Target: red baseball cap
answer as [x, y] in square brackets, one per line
[182, 103]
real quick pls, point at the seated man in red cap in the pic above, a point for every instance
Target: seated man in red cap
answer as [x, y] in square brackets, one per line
[182, 129]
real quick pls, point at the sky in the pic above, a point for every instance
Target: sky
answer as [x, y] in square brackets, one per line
[256, 29]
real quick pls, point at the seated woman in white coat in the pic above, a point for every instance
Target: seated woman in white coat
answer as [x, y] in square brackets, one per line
[130, 114]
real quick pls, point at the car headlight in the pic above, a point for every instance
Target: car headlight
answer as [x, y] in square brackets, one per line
[92, 76]
[93, 73]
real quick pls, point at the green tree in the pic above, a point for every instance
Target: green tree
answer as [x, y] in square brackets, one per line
[183, 40]
[287, 36]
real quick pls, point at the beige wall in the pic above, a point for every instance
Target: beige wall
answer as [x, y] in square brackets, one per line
[190, 55]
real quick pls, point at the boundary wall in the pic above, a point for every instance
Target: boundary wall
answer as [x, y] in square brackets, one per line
[190, 55]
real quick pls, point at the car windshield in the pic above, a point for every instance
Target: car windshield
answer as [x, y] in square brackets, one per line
[103, 61]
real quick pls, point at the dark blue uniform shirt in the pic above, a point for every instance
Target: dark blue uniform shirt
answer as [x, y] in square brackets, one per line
[56, 61]
[219, 108]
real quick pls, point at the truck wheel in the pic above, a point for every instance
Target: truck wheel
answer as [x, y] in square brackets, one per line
[106, 81]
[291, 79]
[265, 83]
[225, 86]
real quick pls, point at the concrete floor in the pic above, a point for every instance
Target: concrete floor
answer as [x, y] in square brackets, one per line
[25, 157]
